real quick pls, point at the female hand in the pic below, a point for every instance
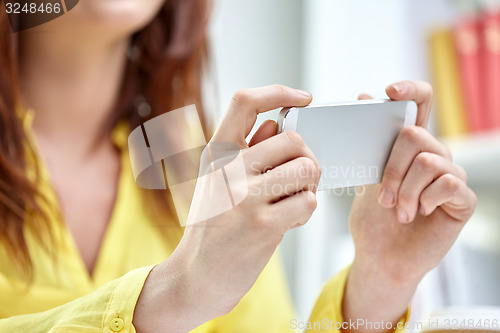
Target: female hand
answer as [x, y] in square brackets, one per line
[220, 258]
[403, 227]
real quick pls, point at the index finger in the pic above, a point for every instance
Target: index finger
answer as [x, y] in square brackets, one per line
[248, 103]
[419, 91]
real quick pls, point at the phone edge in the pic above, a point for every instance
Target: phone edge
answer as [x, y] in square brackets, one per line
[284, 119]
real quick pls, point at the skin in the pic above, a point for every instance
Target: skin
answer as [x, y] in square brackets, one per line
[72, 86]
[403, 227]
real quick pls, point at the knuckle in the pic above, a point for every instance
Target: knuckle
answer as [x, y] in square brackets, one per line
[426, 161]
[311, 201]
[261, 221]
[424, 201]
[471, 207]
[405, 199]
[242, 96]
[279, 89]
[450, 183]
[307, 167]
[391, 175]
[411, 134]
[427, 88]
[240, 191]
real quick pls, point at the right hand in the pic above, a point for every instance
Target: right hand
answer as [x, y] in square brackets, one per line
[219, 259]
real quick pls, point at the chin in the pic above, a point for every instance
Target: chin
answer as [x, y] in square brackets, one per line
[129, 15]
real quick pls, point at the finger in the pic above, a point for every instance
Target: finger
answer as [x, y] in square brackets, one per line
[410, 142]
[364, 96]
[420, 92]
[295, 210]
[426, 167]
[275, 151]
[297, 175]
[452, 195]
[265, 131]
[247, 103]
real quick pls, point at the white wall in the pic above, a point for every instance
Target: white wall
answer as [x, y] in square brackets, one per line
[352, 47]
[255, 43]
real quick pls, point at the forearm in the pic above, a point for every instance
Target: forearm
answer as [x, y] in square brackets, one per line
[377, 297]
[169, 302]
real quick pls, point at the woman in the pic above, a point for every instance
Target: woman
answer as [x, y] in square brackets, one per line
[81, 253]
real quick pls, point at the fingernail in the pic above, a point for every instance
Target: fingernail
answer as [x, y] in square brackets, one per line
[386, 198]
[403, 216]
[303, 93]
[399, 87]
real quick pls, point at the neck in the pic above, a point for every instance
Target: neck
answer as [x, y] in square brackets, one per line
[72, 84]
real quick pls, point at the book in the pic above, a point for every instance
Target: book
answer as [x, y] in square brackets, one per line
[490, 60]
[467, 46]
[450, 110]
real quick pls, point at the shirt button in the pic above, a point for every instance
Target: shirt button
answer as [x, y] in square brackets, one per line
[116, 324]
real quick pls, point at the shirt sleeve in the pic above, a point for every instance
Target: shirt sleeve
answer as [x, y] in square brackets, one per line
[327, 312]
[109, 309]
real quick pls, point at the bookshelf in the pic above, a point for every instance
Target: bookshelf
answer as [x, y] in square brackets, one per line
[479, 155]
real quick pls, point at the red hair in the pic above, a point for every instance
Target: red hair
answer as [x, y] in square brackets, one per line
[166, 70]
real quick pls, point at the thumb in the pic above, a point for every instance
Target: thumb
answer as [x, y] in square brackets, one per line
[265, 131]
[364, 97]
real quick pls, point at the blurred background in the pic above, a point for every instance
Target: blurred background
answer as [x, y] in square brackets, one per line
[338, 49]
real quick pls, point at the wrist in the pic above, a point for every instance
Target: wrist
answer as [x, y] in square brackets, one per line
[387, 274]
[381, 285]
[376, 294]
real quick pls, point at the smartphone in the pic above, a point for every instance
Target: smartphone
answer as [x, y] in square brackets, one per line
[352, 141]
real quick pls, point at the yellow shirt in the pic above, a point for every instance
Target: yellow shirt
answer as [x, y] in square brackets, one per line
[64, 298]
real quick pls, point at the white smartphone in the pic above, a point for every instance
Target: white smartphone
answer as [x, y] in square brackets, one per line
[352, 141]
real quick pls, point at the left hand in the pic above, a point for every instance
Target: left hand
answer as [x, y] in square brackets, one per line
[403, 227]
